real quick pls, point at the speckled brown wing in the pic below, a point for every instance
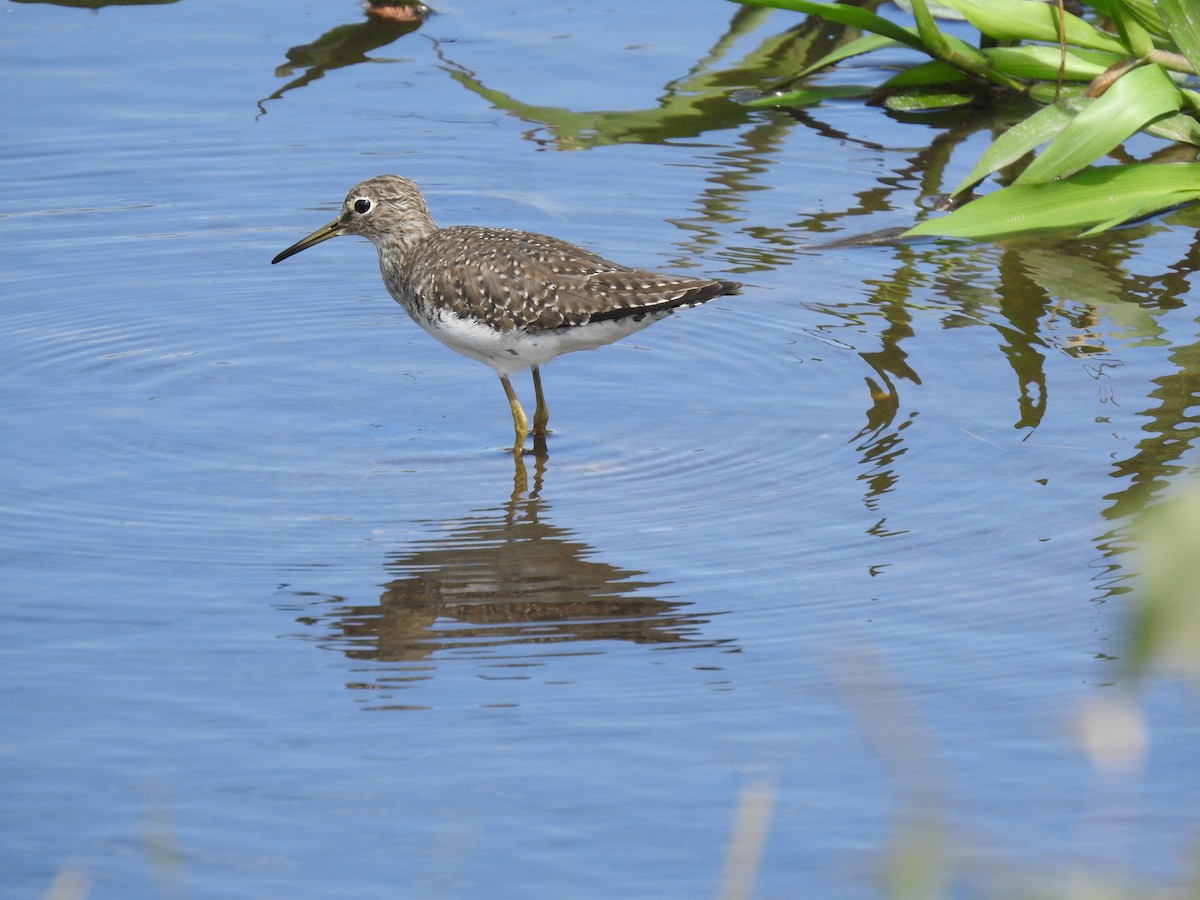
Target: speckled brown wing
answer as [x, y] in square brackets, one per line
[637, 293]
[533, 282]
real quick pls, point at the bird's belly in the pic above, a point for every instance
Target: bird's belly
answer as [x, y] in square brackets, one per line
[511, 351]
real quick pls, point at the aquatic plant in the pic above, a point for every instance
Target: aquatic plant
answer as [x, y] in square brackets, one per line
[1091, 81]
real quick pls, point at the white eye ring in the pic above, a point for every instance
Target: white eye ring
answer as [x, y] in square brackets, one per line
[362, 205]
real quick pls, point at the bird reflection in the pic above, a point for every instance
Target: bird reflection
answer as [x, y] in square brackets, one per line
[507, 584]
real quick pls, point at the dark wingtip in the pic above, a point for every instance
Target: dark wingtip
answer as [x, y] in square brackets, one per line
[701, 293]
[711, 291]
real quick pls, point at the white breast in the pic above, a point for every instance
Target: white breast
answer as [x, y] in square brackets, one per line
[511, 351]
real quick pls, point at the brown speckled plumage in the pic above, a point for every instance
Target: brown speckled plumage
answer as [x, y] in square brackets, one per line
[510, 299]
[517, 279]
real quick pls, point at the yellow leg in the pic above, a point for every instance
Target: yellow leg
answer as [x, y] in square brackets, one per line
[520, 422]
[541, 418]
[541, 415]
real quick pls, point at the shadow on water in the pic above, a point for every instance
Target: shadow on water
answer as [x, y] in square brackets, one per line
[501, 585]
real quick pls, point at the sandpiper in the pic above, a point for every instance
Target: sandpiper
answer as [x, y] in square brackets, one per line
[511, 299]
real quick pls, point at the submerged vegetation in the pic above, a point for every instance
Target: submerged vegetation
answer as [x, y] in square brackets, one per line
[1092, 76]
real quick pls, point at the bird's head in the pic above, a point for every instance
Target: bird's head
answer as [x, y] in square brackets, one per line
[387, 210]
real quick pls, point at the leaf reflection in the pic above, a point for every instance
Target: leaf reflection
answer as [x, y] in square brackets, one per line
[699, 101]
[347, 45]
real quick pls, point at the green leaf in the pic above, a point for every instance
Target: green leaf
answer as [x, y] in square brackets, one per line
[1041, 62]
[846, 15]
[810, 96]
[1039, 128]
[1049, 93]
[922, 101]
[936, 43]
[1143, 11]
[1103, 196]
[1133, 34]
[1020, 20]
[930, 34]
[955, 51]
[1020, 62]
[1182, 19]
[1180, 128]
[1135, 99]
[923, 74]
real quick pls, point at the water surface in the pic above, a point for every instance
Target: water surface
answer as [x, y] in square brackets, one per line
[284, 620]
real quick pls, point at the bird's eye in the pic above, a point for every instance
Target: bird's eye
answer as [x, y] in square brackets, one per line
[362, 205]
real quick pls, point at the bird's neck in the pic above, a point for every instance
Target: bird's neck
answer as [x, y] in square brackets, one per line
[396, 253]
[395, 262]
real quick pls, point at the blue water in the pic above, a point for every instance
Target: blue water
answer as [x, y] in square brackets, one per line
[278, 623]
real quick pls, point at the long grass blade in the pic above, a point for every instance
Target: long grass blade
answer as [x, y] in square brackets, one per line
[1024, 137]
[956, 51]
[1100, 197]
[1019, 20]
[846, 15]
[1134, 100]
[1030, 62]
[1182, 18]
[810, 96]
